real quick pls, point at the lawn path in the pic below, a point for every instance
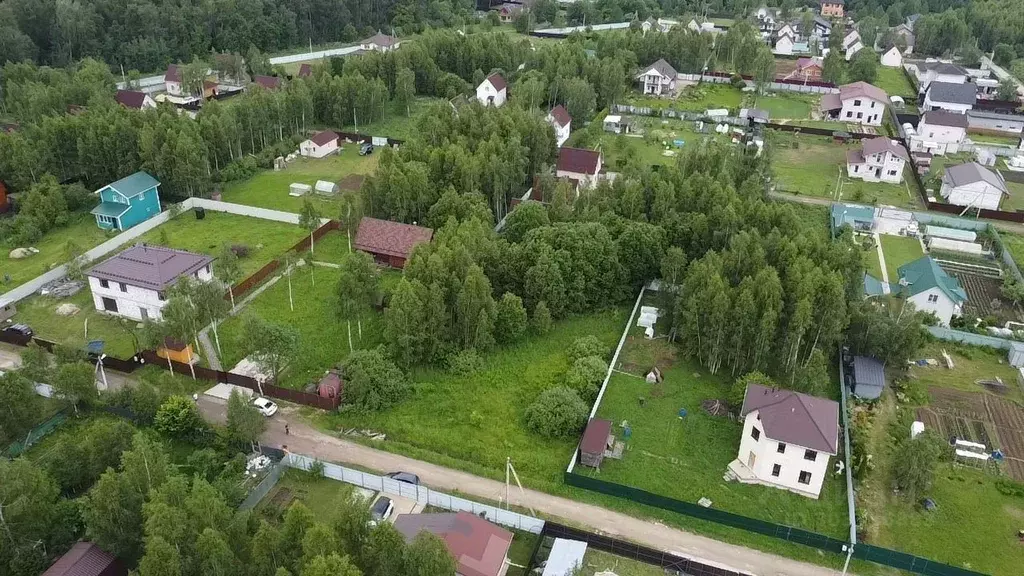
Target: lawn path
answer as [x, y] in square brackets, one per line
[881, 264]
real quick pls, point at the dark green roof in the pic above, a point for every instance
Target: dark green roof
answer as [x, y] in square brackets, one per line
[112, 209]
[924, 274]
[135, 184]
[850, 214]
[872, 286]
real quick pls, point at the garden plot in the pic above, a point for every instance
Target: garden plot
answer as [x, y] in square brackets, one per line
[984, 293]
[657, 141]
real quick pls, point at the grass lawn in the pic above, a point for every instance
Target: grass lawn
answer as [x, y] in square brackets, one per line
[39, 312]
[473, 422]
[323, 335]
[82, 230]
[269, 189]
[899, 250]
[1004, 140]
[1015, 201]
[397, 123]
[323, 496]
[788, 105]
[871, 263]
[694, 98]
[1015, 244]
[266, 239]
[817, 165]
[595, 562]
[519, 552]
[332, 247]
[685, 458]
[895, 83]
[659, 137]
[971, 363]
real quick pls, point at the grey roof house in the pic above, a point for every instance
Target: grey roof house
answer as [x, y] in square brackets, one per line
[952, 97]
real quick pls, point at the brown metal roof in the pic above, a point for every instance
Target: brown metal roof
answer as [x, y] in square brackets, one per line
[268, 82]
[325, 137]
[130, 98]
[382, 40]
[831, 102]
[390, 238]
[152, 267]
[498, 81]
[945, 118]
[305, 70]
[84, 559]
[478, 546]
[863, 90]
[172, 74]
[881, 144]
[578, 160]
[561, 115]
[595, 437]
[795, 418]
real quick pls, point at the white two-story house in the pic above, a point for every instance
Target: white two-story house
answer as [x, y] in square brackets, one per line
[659, 78]
[492, 91]
[172, 80]
[134, 282]
[936, 71]
[581, 166]
[851, 44]
[939, 133]
[952, 97]
[787, 440]
[877, 160]
[926, 285]
[562, 123]
[857, 103]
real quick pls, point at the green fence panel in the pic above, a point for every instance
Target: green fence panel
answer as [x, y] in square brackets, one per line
[36, 434]
[909, 562]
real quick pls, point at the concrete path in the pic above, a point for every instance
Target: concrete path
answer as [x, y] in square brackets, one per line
[304, 439]
[209, 349]
[881, 263]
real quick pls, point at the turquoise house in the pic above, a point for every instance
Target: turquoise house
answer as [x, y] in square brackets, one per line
[127, 202]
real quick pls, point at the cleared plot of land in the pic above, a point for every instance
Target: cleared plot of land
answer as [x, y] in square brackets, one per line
[895, 83]
[83, 231]
[658, 144]
[322, 495]
[899, 250]
[397, 123]
[1015, 200]
[694, 98]
[1015, 244]
[596, 562]
[76, 331]
[474, 422]
[788, 105]
[269, 189]
[984, 296]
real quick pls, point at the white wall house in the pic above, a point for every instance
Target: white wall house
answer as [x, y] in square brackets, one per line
[784, 44]
[851, 44]
[172, 80]
[380, 43]
[892, 58]
[936, 71]
[580, 165]
[134, 283]
[926, 285]
[973, 185]
[939, 133]
[787, 440]
[319, 145]
[952, 97]
[659, 78]
[562, 123]
[857, 103]
[492, 91]
[878, 160]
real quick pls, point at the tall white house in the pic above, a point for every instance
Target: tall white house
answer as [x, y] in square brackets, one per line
[851, 44]
[581, 166]
[134, 282]
[877, 160]
[858, 103]
[939, 133]
[172, 80]
[658, 78]
[930, 289]
[492, 91]
[892, 58]
[562, 123]
[787, 440]
[973, 185]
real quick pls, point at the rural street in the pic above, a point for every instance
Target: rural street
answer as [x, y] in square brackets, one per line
[309, 441]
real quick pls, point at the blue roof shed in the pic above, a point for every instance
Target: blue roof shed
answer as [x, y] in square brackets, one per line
[860, 217]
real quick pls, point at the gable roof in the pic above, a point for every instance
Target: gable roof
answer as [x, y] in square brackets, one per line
[133, 185]
[943, 68]
[971, 172]
[497, 80]
[872, 286]
[152, 267]
[840, 2]
[924, 274]
[478, 546]
[83, 559]
[868, 376]
[172, 74]
[802, 63]
[595, 437]
[560, 115]
[305, 71]
[830, 102]
[851, 214]
[390, 238]
[851, 38]
[879, 145]
[382, 40]
[130, 98]
[795, 418]
[268, 82]
[862, 90]
[325, 137]
[953, 93]
[662, 67]
[944, 118]
[578, 160]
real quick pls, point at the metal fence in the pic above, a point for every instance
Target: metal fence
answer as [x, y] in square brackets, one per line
[943, 333]
[421, 494]
[34, 435]
[264, 487]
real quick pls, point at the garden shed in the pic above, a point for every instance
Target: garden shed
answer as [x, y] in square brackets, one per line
[330, 385]
[868, 377]
[1016, 355]
[595, 441]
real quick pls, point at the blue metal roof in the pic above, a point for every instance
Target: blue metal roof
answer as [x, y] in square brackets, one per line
[851, 214]
[872, 286]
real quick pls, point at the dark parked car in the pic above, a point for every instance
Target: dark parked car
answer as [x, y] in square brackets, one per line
[366, 149]
[22, 329]
[407, 477]
[381, 510]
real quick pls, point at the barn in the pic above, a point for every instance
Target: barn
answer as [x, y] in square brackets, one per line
[595, 441]
[390, 243]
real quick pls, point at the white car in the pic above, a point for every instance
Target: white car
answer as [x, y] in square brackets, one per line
[266, 407]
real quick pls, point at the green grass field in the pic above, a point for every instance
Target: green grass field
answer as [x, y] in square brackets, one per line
[323, 333]
[519, 552]
[1015, 244]
[685, 458]
[895, 83]
[1015, 201]
[971, 363]
[899, 250]
[323, 496]
[39, 313]
[871, 263]
[659, 137]
[596, 562]
[1004, 140]
[397, 123]
[474, 422]
[694, 98]
[788, 105]
[269, 189]
[82, 230]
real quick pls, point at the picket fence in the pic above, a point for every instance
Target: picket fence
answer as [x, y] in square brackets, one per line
[421, 494]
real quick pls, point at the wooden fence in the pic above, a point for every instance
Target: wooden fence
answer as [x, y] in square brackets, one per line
[243, 287]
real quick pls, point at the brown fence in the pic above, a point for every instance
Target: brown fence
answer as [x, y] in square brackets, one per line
[249, 283]
[818, 131]
[303, 245]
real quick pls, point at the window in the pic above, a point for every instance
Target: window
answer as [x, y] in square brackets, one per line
[892, 172]
[781, 448]
[805, 477]
[872, 103]
[856, 102]
[933, 298]
[104, 284]
[124, 288]
[160, 296]
[755, 434]
[810, 455]
[776, 470]
[860, 115]
[849, 114]
[931, 134]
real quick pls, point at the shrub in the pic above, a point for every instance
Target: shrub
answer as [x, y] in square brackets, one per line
[178, 417]
[557, 413]
[241, 250]
[373, 380]
[587, 346]
[1009, 487]
[585, 376]
[510, 319]
[465, 362]
[541, 321]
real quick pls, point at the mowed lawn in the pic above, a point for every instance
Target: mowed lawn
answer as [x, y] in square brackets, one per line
[323, 496]
[685, 457]
[474, 422]
[269, 189]
[788, 105]
[1015, 201]
[397, 123]
[895, 83]
[323, 331]
[597, 562]
[658, 139]
[76, 331]
[1015, 244]
[696, 98]
[899, 250]
[83, 231]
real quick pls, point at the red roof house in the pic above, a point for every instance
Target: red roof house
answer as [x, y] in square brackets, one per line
[560, 115]
[479, 547]
[268, 82]
[86, 559]
[305, 71]
[390, 243]
[5, 204]
[595, 440]
[134, 99]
